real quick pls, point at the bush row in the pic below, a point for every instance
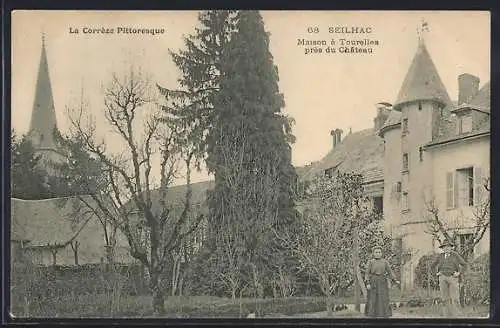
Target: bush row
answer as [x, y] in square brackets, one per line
[49, 281]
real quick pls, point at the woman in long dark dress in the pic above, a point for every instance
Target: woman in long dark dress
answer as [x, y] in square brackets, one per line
[378, 272]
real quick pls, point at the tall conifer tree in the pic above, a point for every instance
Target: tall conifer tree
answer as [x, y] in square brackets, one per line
[231, 105]
[249, 149]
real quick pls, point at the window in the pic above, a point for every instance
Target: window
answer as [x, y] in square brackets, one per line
[463, 242]
[404, 126]
[464, 124]
[419, 105]
[405, 162]
[404, 202]
[464, 187]
[378, 205]
[421, 153]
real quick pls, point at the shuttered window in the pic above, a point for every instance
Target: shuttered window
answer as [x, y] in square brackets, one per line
[450, 194]
[480, 192]
[464, 187]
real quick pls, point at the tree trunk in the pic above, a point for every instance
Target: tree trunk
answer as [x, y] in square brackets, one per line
[158, 302]
[275, 291]
[329, 305]
[181, 284]
[361, 282]
[241, 302]
[175, 275]
[233, 292]
[429, 278]
[158, 294]
[357, 291]
[116, 290]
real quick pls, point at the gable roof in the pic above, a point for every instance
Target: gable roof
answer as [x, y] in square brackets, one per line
[48, 221]
[422, 81]
[361, 152]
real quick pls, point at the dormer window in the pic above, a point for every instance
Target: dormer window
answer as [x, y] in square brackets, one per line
[464, 123]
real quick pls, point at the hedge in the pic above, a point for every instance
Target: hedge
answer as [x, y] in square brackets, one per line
[50, 281]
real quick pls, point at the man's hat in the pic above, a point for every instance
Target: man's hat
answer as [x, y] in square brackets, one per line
[447, 242]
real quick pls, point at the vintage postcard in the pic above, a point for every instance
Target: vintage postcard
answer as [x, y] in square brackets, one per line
[250, 164]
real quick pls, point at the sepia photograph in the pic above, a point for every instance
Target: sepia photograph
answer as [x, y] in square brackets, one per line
[250, 164]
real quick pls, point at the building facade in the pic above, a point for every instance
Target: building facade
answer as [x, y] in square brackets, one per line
[425, 154]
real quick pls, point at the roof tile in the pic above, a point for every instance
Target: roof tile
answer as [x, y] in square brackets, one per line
[422, 82]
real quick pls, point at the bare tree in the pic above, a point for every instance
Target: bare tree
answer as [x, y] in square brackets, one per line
[154, 228]
[335, 209]
[478, 222]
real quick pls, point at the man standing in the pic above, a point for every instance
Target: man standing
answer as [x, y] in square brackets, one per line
[448, 266]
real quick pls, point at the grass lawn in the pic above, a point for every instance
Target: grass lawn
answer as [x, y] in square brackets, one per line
[99, 306]
[410, 313]
[480, 311]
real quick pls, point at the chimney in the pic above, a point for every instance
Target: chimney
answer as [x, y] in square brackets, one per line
[383, 111]
[339, 135]
[336, 136]
[468, 86]
[333, 133]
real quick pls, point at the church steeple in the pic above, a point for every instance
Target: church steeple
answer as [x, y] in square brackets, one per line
[43, 116]
[422, 82]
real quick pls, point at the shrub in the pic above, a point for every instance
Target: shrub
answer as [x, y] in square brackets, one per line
[425, 274]
[35, 288]
[476, 280]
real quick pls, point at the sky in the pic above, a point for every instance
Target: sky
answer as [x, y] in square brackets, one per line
[323, 91]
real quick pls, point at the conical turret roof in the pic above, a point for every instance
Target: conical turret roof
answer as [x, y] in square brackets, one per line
[43, 117]
[422, 82]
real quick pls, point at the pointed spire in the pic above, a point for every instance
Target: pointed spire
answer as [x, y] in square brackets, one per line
[424, 27]
[43, 116]
[422, 82]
